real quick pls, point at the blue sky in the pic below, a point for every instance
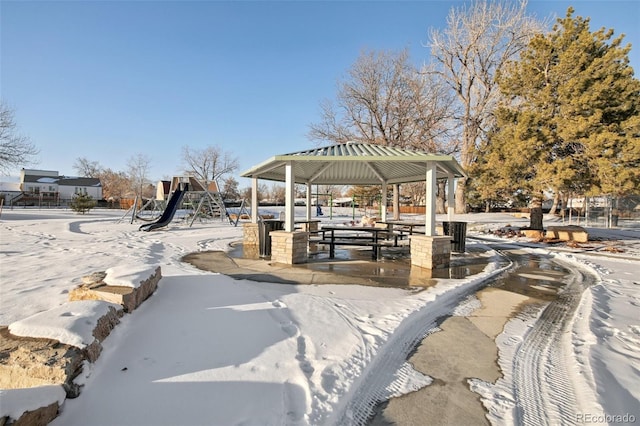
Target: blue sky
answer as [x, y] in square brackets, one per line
[107, 80]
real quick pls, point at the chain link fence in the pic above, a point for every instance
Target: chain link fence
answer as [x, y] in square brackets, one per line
[604, 212]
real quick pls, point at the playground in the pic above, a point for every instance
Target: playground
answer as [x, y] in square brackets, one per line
[186, 195]
[301, 348]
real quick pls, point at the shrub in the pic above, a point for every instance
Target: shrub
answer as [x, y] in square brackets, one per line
[82, 203]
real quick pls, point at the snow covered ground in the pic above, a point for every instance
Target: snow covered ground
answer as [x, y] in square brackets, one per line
[206, 349]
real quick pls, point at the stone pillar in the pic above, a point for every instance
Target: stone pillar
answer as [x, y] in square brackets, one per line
[289, 247]
[431, 252]
[250, 236]
[250, 240]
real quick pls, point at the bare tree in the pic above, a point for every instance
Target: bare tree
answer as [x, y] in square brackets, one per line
[428, 120]
[138, 168]
[477, 42]
[208, 164]
[115, 185]
[386, 100]
[262, 193]
[15, 149]
[277, 193]
[230, 188]
[87, 168]
[415, 193]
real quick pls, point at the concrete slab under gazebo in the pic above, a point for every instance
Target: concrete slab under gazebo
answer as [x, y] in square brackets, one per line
[354, 163]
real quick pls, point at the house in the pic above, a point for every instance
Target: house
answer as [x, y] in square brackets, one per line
[9, 191]
[49, 186]
[343, 202]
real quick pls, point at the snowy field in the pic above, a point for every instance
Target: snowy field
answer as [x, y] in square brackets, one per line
[206, 349]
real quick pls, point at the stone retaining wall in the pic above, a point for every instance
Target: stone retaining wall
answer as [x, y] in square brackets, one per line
[129, 297]
[29, 363]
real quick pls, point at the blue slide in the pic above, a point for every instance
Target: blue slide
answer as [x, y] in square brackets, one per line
[167, 215]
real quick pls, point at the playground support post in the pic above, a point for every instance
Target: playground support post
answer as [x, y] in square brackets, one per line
[364, 200]
[133, 213]
[133, 209]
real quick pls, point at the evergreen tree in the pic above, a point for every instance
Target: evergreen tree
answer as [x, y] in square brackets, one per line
[570, 118]
[82, 203]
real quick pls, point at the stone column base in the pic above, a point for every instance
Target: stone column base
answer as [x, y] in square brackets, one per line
[289, 247]
[250, 235]
[431, 252]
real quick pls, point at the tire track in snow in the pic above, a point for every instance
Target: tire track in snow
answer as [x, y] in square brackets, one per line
[543, 391]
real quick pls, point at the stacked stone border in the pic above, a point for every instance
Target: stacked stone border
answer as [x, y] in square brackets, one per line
[29, 364]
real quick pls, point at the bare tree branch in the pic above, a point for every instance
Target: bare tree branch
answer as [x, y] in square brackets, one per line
[208, 164]
[138, 170]
[87, 168]
[15, 150]
[385, 100]
[477, 43]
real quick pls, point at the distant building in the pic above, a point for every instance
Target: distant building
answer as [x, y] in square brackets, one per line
[50, 182]
[9, 191]
[343, 202]
[49, 186]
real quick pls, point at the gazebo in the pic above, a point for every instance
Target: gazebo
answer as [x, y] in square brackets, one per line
[355, 163]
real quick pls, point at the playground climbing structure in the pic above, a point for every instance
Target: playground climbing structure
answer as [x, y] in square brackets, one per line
[199, 201]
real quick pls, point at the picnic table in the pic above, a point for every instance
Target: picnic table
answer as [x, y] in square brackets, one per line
[344, 235]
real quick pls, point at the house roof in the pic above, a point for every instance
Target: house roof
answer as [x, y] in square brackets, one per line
[355, 163]
[79, 181]
[63, 180]
[40, 179]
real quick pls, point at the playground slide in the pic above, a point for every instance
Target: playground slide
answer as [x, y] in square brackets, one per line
[167, 215]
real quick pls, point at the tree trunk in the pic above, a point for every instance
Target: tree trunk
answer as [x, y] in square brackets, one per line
[554, 206]
[440, 198]
[565, 203]
[536, 215]
[461, 205]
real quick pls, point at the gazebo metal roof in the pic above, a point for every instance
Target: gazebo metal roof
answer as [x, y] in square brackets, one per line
[355, 163]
